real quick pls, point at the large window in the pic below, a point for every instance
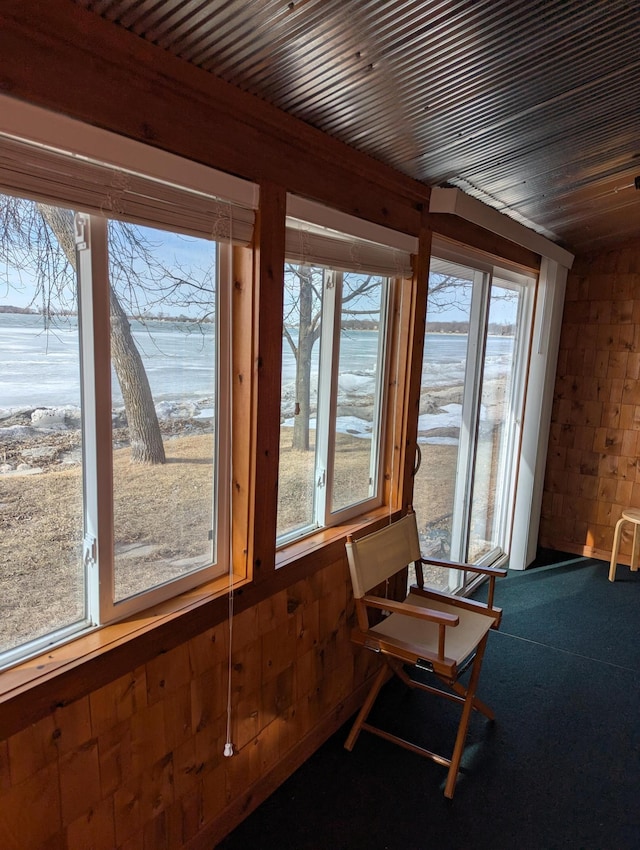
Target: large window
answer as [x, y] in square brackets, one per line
[334, 365]
[332, 393]
[42, 584]
[114, 363]
[471, 405]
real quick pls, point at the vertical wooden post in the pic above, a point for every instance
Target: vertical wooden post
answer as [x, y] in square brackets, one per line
[244, 413]
[268, 310]
[415, 345]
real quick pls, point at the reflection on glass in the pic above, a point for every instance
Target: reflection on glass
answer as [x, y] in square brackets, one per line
[489, 479]
[41, 491]
[302, 325]
[359, 362]
[163, 354]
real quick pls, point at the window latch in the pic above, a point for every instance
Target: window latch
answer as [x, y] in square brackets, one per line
[90, 550]
[81, 231]
[322, 477]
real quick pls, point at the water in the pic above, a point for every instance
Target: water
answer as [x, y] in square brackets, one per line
[39, 368]
[445, 357]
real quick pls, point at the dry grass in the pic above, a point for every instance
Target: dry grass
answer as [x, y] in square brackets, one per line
[162, 521]
[162, 518]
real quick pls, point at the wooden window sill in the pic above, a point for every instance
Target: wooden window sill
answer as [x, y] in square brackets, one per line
[308, 547]
[35, 687]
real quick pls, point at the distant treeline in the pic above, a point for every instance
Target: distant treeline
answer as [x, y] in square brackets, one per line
[359, 325]
[494, 328]
[7, 308]
[141, 317]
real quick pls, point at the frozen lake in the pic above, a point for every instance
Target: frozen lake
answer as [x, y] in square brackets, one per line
[39, 368]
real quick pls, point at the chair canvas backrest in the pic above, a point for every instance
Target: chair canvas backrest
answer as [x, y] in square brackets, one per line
[381, 554]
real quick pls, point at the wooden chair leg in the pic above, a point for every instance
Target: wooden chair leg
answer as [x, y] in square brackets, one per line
[398, 669]
[366, 708]
[477, 704]
[458, 748]
[636, 547]
[614, 551]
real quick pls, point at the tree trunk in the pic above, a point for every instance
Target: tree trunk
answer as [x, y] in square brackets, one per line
[144, 431]
[303, 363]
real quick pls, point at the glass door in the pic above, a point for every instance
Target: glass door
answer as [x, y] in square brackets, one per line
[474, 369]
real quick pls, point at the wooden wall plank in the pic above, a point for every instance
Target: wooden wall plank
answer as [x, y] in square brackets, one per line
[243, 389]
[592, 463]
[467, 233]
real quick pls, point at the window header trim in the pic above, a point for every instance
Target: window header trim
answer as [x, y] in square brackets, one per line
[458, 203]
[318, 235]
[50, 157]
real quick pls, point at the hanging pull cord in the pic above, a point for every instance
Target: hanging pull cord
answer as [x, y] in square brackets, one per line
[228, 747]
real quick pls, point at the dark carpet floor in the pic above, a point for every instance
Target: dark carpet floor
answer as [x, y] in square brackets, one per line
[559, 770]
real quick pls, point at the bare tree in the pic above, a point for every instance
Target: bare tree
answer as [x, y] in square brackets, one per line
[302, 323]
[304, 286]
[451, 291]
[38, 240]
[144, 430]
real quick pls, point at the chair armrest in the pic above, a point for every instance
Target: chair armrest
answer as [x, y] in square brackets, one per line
[497, 572]
[440, 617]
[491, 572]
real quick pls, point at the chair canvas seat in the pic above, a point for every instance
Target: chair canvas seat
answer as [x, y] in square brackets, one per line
[460, 641]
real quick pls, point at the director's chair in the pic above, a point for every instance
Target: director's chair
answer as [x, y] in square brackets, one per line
[430, 630]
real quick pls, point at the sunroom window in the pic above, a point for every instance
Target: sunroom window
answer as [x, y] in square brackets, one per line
[334, 368]
[115, 361]
[476, 355]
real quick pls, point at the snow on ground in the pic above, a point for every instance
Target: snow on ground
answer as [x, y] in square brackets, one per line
[446, 424]
[435, 428]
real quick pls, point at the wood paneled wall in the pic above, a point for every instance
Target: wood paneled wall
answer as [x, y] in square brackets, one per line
[125, 752]
[131, 755]
[139, 762]
[593, 470]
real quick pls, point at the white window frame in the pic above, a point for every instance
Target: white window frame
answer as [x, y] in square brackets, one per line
[340, 243]
[99, 553]
[485, 273]
[555, 263]
[328, 403]
[54, 149]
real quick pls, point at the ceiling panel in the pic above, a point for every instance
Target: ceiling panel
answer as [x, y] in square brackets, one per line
[533, 107]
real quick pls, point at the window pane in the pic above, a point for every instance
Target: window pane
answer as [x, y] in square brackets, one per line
[441, 402]
[41, 489]
[359, 376]
[495, 422]
[163, 350]
[299, 398]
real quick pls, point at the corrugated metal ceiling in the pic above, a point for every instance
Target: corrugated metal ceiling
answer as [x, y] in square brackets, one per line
[533, 106]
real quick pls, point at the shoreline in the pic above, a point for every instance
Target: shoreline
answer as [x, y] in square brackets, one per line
[37, 439]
